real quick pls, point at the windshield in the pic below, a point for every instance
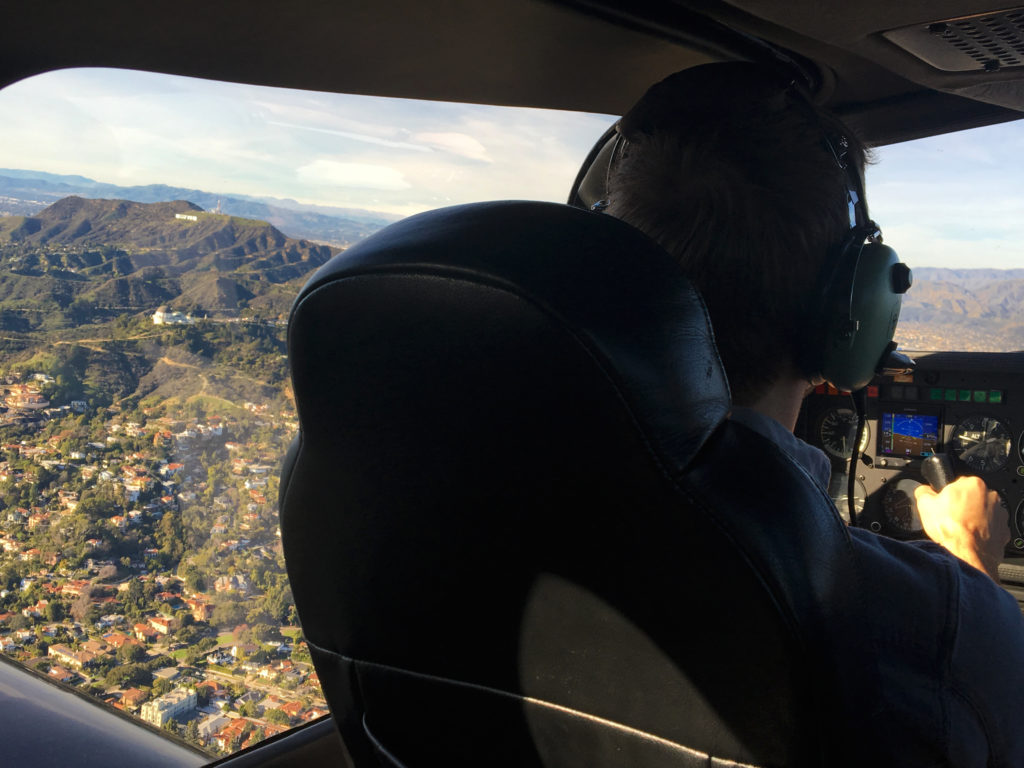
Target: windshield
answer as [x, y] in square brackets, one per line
[154, 232]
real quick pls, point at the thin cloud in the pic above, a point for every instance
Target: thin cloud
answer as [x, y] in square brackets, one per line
[459, 144]
[354, 136]
[358, 175]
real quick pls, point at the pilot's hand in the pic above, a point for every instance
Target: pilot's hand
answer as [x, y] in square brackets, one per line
[963, 519]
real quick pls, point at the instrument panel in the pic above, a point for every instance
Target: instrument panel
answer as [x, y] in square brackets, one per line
[969, 405]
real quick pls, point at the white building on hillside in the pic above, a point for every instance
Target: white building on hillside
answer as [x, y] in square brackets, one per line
[163, 316]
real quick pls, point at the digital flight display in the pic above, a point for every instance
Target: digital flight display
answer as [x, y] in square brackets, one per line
[910, 435]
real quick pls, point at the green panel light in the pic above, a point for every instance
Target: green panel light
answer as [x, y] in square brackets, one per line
[935, 393]
[980, 396]
[951, 395]
[995, 396]
[965, 396]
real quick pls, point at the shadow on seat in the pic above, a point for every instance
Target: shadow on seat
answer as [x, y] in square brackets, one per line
[519, 527]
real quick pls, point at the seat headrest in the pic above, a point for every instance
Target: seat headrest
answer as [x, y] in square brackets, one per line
[602, 281]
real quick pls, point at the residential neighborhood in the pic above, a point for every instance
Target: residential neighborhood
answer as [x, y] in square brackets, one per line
[140, 561]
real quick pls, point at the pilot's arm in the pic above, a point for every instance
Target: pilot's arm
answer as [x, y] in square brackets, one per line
[962, 518]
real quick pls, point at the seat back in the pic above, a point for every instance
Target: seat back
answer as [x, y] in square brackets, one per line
[515, 522]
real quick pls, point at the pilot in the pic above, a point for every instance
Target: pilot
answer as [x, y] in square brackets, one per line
[745, 181]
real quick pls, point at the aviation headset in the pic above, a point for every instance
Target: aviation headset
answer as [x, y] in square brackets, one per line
[851, 316]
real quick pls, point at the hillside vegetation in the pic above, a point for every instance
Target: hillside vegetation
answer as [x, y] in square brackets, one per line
[80, 282]
[80, 260]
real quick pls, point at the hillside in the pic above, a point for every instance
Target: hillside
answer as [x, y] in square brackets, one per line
[966, 309]
[122, 256]
[81, 280]
[25, 193]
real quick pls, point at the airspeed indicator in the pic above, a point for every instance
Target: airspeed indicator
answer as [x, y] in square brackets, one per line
[837, 430]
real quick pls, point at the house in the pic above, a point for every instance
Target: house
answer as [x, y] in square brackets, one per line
[167, 673]
[65, 655]
[163, 624]
[242, 650]
[211, 725]
[117, 639]
[35, 611]
[145, 633]
[129, 700]
[61, 674]
[235, 583]
[313, 713]
[74, 587]
[201, 608]
[37, 519]
[232, 733]
[95, 647]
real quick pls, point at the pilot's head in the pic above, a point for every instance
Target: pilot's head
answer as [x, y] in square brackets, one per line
[740, 176]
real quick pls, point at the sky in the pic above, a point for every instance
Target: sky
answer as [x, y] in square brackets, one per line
[950, 201]
[394, 155]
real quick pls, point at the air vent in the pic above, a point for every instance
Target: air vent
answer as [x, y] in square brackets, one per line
[985, 42]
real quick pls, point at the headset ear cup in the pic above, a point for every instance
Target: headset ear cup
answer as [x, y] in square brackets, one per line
[860, 319]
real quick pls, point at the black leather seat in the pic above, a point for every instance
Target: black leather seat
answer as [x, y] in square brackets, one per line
[519, 527]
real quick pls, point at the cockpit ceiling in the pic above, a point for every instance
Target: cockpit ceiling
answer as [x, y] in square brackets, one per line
[591, 55]
[918, 42]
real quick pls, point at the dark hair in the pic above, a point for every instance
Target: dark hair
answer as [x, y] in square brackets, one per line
[739, 177]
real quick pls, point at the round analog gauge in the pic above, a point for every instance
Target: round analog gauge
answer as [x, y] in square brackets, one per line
[982, 443]
[900, 508]
[1019, 521]
[837, 486]
[1003, 510]
[837, 430]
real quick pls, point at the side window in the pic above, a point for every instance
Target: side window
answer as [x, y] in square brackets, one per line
[948, 205]
[153, 232]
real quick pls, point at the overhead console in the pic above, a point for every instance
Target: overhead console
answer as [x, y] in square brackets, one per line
[968, 405]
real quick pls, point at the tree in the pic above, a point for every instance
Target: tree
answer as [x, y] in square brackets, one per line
[192, 731]
[171, 725]
[267, 633]
[95, 507]
[129, 653]
[277, 602]
[170, 536]
[83, 603]
[129, 674]
[227, 614]
[194, 578]
[276, 716]
[161, 686]
[54, 611]
[107, 572]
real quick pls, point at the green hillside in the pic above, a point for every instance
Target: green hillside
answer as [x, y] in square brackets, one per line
[80, 282]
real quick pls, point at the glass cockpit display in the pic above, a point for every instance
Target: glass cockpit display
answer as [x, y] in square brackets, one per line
[910, 435]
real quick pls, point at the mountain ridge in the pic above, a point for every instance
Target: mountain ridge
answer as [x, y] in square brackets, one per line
[24, 192]
[117, 254]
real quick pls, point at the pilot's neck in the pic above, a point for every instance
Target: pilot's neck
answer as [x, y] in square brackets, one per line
[782, 400]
